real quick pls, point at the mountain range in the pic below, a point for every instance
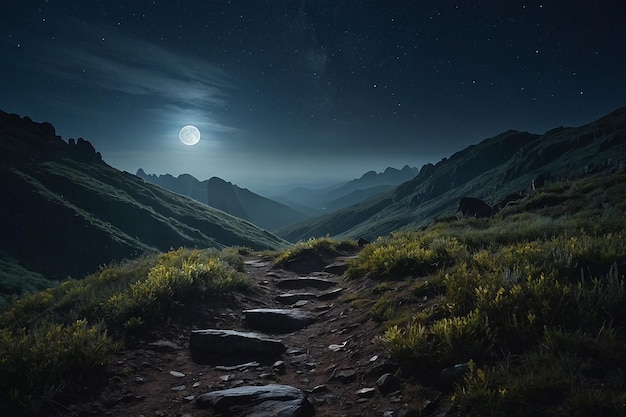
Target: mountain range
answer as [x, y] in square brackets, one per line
[64, 211]
[328, 199]
[283, 210]
[225, 196]
[495, 168]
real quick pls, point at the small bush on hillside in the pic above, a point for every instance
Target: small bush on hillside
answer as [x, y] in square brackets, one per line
[178, 277]
[314, 249]
[406, 255]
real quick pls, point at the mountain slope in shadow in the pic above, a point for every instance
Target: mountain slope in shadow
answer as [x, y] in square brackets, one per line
[491, 170]
[225, 196]
[64, 211]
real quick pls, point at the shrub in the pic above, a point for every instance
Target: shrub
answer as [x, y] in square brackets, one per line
[39, 365]
[315, 249]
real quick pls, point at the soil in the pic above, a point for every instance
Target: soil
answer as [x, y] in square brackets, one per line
[331, 359]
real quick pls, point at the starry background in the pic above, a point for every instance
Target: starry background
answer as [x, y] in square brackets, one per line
[306, 91]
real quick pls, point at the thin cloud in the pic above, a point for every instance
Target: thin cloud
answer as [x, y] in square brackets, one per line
[100, 56]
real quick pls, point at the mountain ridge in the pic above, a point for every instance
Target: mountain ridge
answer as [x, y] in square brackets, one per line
[64, 211]
[504, 164]
[230, 198]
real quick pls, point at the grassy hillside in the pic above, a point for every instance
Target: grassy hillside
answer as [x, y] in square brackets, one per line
[64, 212]
[522, 314]
[490, 170]
[55, 341]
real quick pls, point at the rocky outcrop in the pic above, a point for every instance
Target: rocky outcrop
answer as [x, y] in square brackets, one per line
[266, 400]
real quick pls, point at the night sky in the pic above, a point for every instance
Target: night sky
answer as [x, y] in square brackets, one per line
[309, 90]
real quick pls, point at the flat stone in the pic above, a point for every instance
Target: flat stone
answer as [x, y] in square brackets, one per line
[291, 298]
[366, 392]
[265, 400]
[177, 374]
[305, 282]
[164, 346]
[330, 295]
[278, 320]
[238, 367]
[229, 345]
[345, 375]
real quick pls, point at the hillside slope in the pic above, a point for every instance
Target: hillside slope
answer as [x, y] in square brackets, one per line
[490, 170]
[63, 211]
[225, 196]
[352, 192]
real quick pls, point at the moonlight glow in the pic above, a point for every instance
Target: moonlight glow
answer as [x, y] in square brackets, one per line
[189, 135]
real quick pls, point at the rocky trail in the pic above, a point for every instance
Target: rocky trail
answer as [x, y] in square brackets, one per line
[292, 346]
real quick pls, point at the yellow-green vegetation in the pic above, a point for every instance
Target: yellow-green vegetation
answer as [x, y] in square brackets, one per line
[314, 249]
[532, 301]
[52, 340]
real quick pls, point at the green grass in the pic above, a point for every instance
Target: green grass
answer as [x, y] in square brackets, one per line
[52, 340]
[531, 299]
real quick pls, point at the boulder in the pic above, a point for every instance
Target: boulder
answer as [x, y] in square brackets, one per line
[474, 207]
[266, 400]
[305, 282]
[230, 345]
[278, 320]
[388, 383]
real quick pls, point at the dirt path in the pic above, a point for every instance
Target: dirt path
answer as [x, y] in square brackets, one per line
[331, 359]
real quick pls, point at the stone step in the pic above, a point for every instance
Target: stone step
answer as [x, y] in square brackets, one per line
[263, 400]
[305, 282]
[227, 346]
[278, 320]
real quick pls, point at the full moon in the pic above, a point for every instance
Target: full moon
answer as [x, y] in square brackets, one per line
[189, 135]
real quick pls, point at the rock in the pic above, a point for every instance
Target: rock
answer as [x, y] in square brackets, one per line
[336, 268]
[345, 375]
[291, 298]
[338, 347]
[388, 383]
[266, 400]
[305, 282]
[229, 345]
[239, 367]
[164, 346]
[179, 388]
[319, 389]
[177, 374]
[474, 207]
[452, 374]
[366, 392]
[280, 367]
[278, 320]
[330, 295]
